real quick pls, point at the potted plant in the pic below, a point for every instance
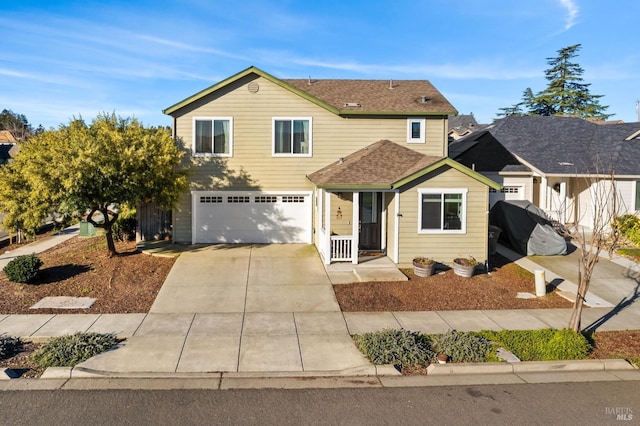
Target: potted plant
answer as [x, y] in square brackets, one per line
[442, 358]
[423, 266]
[464, 266]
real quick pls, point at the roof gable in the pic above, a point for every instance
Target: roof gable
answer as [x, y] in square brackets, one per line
[348, 97]
[384, 165]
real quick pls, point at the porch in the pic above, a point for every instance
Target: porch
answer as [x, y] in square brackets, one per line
[353, 227]
[368, 269]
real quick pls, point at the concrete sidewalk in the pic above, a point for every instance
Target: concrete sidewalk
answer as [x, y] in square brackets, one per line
[40, 245]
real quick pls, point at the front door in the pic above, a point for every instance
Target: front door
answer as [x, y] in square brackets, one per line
[370, 221]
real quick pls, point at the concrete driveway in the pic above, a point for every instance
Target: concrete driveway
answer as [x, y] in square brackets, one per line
[253, 308]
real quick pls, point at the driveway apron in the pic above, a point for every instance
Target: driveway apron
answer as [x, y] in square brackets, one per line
[240, 308]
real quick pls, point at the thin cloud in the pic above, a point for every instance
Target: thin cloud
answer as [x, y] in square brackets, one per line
[187, 47]
[469, 71]
[572, 12]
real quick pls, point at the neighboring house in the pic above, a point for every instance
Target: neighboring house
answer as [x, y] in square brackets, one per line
[462, 125]
[557, 163]
[347, 165]
[8, 146]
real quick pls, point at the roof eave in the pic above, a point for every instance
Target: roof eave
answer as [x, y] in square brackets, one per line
[251, 70]
[351, 187]
[347, 112]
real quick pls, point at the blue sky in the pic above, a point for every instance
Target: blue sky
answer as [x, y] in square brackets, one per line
[62, 59]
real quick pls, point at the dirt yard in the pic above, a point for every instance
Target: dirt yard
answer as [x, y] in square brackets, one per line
[81, 267]
[447, 291]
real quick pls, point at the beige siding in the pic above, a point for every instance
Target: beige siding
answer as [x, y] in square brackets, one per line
[342, 224]
[252, 166]
[444, 247]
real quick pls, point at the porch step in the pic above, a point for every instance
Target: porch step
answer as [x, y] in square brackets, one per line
[367, 274]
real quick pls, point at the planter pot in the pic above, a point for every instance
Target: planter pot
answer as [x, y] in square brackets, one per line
[463, 267]
[421, 270]
[442, 358]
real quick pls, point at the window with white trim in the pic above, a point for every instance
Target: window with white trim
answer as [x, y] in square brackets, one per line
[442, 210]
[637, 195]
[416, 130]
[292, 136]
[213, 136]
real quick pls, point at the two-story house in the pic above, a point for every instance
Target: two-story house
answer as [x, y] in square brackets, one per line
[347, 165]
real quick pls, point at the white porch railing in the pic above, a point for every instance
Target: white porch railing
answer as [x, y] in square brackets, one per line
[341, 247]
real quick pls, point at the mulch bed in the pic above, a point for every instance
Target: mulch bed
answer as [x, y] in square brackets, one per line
[447, 291]
[81, 267]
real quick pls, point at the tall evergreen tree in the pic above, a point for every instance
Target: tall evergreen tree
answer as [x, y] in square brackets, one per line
[566, 93]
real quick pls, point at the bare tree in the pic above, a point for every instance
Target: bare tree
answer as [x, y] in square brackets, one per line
[604, 209]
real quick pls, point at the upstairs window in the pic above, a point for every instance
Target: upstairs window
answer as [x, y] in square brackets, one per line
[416, 130]
[442, 211]
[292, 136]
[213, 136]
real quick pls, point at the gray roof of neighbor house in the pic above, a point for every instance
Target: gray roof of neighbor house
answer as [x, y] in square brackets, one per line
[557, 145]
[347, 97]
[384, 165]
[464, 123]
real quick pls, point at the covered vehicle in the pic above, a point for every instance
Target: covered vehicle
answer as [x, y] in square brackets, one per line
[526, 228]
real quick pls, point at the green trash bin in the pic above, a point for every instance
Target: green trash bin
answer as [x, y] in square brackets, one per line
[84, 228]
[87, 229]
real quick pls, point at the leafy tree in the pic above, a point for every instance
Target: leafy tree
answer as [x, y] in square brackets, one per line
[566, 94]
[101, 167]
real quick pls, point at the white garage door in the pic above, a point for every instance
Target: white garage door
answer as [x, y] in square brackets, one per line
[251, 217]
[506, 193]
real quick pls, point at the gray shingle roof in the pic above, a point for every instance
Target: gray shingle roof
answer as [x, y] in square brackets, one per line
[378, 165]
[563, 145]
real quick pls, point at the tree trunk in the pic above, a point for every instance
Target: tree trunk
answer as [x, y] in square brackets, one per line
[111, 246]
[107, 226]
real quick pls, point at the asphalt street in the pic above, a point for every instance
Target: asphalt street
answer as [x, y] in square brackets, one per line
[562, 403]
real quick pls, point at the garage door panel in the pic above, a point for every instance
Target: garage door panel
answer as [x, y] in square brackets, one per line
[240, 218]
[506, 193]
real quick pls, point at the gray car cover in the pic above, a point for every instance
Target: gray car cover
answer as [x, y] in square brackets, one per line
[526, 228]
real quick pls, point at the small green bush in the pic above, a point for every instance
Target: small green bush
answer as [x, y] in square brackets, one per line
[541, 345]
[398, 347]
[462, 346]
[9, 346]
[124, 228]
[72, 349]
[629, 226]
[23, 269]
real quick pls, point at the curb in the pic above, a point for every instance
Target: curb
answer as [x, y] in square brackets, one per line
[380, 376]
[529, 367]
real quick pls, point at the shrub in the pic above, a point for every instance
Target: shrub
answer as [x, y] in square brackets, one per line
[462, 346]
[542, 345]
[124, 228]
[629, 226]
[9, 346]
[23, 268]
[398, 347]
[72, 349]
